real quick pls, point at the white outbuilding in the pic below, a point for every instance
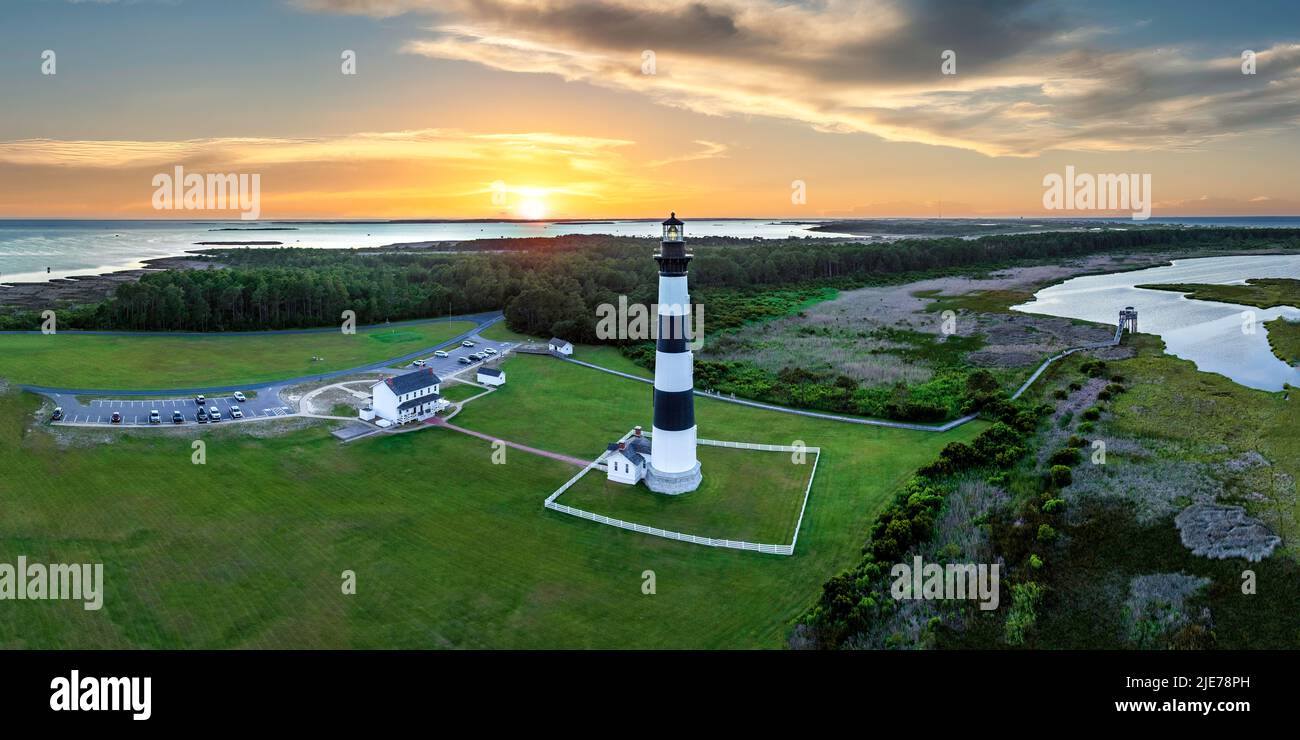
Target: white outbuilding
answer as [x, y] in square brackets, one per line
[490, 376]
[410, 397]
[560, 347]
[626, 461]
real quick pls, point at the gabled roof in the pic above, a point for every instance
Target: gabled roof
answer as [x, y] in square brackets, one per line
[414, 381]
[490, 371]
[431, 398]
[631, 454]
[640, 444]
[557, 342]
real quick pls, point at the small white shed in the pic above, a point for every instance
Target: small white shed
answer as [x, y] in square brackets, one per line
[491, 376]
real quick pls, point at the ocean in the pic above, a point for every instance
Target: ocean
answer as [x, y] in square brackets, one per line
[38, 250]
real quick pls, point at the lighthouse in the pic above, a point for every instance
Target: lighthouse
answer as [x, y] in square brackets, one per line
[673, 466]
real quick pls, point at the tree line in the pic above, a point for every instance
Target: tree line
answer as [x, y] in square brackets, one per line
[553, 285]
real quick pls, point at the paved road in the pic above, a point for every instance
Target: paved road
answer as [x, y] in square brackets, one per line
[81, 407]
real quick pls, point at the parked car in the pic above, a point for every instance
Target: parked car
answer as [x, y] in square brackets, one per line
[464, 360]
[440, 353]
[116, 418]
[239, 396]
[177, 418]
[236, 412]
[200, 400]
[201, 417]
[214, 413]
[418, 363]
[467, 343]
[155, 417]
[489, 350]
[58, 413]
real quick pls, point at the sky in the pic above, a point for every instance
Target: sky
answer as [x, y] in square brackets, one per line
[631, 108]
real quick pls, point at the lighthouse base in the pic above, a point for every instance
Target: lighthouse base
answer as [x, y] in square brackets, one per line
[673, 484]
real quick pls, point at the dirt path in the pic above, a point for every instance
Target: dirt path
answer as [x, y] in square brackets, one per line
[438, 422]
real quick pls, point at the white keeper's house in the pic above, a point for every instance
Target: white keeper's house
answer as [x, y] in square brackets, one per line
[413, 396]
[490, 376]
[626, 461]
[560, 347]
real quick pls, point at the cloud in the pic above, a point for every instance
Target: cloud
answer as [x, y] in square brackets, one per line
[1026, 82]
[708, 150]
[389, 172]
[583, 152]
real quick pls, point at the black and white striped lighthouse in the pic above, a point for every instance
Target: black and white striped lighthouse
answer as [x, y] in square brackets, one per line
[673, 466]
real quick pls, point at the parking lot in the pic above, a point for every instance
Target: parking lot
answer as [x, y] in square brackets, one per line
[266, 403]
[451, 365]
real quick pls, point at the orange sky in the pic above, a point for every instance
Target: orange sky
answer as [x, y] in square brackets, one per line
[505, 108]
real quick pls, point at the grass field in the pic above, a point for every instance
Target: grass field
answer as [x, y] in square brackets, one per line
[748, 495]
[460, 391]
[70, 360]
[449, 549]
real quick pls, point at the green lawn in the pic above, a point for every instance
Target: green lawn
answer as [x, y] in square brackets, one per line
[70, 360]
[449, 549]
[460, 391]
[748, 495]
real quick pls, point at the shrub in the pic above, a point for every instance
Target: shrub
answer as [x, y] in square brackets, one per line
[1093, 368]
[1085, 427]
[1050, 506]
[1046, 533]
[1024, 611]
[1067, 456]
[1035, 562]
[1060, 394]
[1061, 476]
[1076, 385]
[1092, 413]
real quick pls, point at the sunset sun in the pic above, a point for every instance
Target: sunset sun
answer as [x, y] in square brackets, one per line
[532, 209]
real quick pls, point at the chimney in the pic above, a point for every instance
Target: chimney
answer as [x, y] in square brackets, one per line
[638, 431]
[622, 446]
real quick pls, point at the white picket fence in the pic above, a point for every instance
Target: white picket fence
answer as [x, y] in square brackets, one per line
[772, 549]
